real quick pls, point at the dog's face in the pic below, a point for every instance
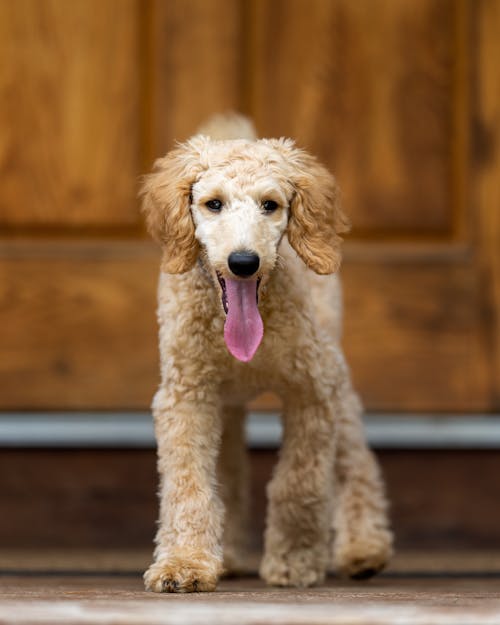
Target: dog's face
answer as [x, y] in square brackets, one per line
[240, 208]
[228, 204]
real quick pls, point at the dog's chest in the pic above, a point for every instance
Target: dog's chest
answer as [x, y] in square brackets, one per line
[245, 386]
[270, 370]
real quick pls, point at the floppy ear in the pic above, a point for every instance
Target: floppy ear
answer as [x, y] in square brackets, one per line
[316, 217]
[166, 204]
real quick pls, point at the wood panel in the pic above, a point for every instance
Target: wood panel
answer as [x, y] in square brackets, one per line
[196, 49]
[78, 498]
[487, 173]
[69, 106]
[370, 87]
[107, 498]
[414, 332]
[78, 325]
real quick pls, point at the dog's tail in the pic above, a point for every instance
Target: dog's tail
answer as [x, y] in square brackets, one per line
[228, 126]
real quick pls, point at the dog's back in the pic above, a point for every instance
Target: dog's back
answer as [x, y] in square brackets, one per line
[226, 126]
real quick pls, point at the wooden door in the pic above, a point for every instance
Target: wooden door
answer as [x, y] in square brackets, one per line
[400, 98]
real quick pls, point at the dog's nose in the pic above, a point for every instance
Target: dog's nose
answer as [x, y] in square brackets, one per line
[243, 264]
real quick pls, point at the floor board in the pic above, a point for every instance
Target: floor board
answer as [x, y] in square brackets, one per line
[105, 587]
[122, 601]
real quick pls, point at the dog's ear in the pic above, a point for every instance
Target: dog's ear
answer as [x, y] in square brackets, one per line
[316, 216]
[166, 200]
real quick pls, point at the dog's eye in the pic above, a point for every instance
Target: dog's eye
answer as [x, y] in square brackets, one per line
[269, 206]
[214, 205]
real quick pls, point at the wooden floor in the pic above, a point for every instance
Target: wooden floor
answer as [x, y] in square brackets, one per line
[106, 588]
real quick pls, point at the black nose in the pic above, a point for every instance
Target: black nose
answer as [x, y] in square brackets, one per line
[243, 264]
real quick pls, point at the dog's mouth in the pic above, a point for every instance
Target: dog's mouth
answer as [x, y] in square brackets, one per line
[243, 329]
[222, 282]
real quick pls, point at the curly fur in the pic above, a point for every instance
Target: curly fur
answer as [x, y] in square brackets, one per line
[166, 205]
[326, 497]
[316, 216]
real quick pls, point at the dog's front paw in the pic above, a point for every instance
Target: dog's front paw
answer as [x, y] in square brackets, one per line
[364, 556]
[299, 567]
[178, 574]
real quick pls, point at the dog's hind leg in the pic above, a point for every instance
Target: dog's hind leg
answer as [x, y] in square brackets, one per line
[363, 539]
[234, 488]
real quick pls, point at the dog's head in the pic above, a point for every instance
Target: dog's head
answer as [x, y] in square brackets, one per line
[229, 203]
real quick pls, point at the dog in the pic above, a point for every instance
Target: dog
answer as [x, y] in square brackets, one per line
[249, 300]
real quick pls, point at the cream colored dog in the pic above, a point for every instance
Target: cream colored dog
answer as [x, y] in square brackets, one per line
[243, 224]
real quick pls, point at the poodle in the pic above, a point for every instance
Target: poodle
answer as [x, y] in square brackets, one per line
[249, 301]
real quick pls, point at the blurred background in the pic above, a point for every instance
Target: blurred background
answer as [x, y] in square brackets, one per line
[400, 98]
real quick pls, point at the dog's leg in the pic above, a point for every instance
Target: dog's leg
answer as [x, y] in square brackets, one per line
[234, 488]
[188, 555]
[298, 525]
[363, 539]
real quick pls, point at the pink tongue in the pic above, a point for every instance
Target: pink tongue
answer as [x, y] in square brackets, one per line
[243, 330]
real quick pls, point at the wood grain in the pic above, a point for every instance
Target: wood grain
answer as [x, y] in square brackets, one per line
[487, 172]
[69, 98]
[79, 327]
[414, 334]
[370, 88]
[107, 498]
[77, 498]
[196, 52]
[119, 600]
